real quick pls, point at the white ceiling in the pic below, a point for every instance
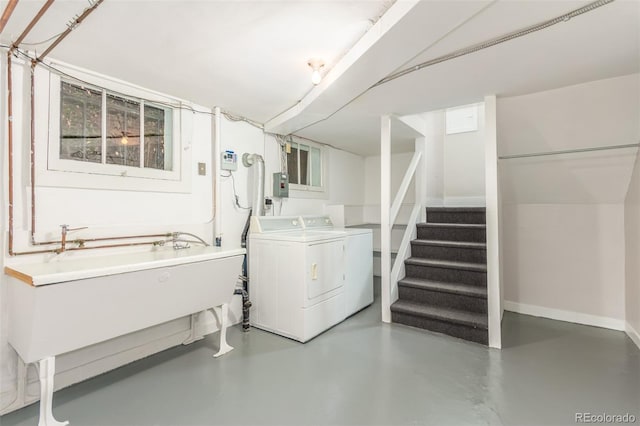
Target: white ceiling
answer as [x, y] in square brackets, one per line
[249, 57]
[601, 44]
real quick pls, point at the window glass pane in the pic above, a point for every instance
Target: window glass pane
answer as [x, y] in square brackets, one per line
[461, 119]
[157, 138]
[316, 167]
[292, 164]
[80, 124]
[123, 131]
[304, 165]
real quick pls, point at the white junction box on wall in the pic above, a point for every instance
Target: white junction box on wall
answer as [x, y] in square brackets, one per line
[229, 161]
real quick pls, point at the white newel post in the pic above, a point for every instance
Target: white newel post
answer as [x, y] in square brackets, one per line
[493, 223]
[385, 210]
[421, 178]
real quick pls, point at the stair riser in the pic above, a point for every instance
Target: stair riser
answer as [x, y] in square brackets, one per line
[452, 234]
[449, 253]
[456, 330]
[446, 274]
[442, 299]
[456, 217]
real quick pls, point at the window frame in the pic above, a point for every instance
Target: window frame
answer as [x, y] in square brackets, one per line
[323, 180]
[55, 163]
[462, 119]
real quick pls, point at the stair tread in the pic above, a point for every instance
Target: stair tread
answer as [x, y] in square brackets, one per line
[452, 225]
[471, 319]
[445, 287]
[444, 243]
[449, 264]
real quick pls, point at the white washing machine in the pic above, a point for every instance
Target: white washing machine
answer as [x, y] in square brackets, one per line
[300, 277]
[358, 261]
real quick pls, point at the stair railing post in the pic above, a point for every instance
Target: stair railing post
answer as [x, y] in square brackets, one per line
[385, 213]
[421, 178]
[492, 190]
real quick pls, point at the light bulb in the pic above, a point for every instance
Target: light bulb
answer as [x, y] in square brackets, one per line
[316, 77]
[124, 140]
[316, 65]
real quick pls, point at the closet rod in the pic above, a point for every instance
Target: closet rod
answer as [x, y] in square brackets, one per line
[570, 151]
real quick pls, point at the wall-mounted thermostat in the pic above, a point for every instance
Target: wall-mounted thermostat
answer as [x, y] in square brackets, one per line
[229, 161]
[280, 185]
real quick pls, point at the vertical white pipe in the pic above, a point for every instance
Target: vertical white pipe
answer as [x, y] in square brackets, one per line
[258, 191]
[385, 213]
[217, 205]
[494, 296]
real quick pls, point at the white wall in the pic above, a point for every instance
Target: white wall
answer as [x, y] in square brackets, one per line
[344, 179]
[563, 215]
[434, 161]
[632, 246]
[399, 164]
[567, 257]
[105, 212]
[123, 212]
[464, 166]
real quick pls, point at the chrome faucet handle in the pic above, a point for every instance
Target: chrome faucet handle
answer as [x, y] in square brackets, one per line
[65, 228]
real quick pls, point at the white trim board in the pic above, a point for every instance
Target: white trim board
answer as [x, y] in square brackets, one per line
[562, 315]
[633, 334]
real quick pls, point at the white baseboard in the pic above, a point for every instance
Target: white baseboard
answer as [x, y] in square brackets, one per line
[633, 334]
[562, 315]
[478, 201]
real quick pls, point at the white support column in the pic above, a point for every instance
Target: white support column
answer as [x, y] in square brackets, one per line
[385, 212]
[217, 199]
[47, 371]
[222, 314]
[420, 179]
[494, 294]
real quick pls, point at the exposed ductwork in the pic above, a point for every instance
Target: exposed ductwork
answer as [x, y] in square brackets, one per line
[257, 204]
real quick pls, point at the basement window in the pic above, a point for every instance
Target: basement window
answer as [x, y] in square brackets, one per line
[97, 126]
[304, 164]
[462, 119]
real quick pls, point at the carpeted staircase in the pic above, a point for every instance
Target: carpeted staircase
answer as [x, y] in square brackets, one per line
[445, 287]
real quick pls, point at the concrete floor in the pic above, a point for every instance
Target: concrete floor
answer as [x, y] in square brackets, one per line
[363, 372]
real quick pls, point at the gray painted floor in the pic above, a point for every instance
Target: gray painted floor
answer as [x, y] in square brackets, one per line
[363, 372]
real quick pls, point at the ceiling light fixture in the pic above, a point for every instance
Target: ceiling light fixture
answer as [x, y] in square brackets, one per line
[316, 65]
[124, 139]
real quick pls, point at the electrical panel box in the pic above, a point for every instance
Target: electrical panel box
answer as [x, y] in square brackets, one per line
[229, 161]
[280, 185]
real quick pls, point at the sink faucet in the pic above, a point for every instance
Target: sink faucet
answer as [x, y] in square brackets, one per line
[64, 229]
[63, 239]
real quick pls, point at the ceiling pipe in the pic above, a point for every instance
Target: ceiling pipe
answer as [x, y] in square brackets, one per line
[7, 14]
[32, 24]
[70, 28]
[57, 41]
[10, 148]
[14, 46]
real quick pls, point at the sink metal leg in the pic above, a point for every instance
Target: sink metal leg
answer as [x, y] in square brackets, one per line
[222, 314]
[46, 372]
